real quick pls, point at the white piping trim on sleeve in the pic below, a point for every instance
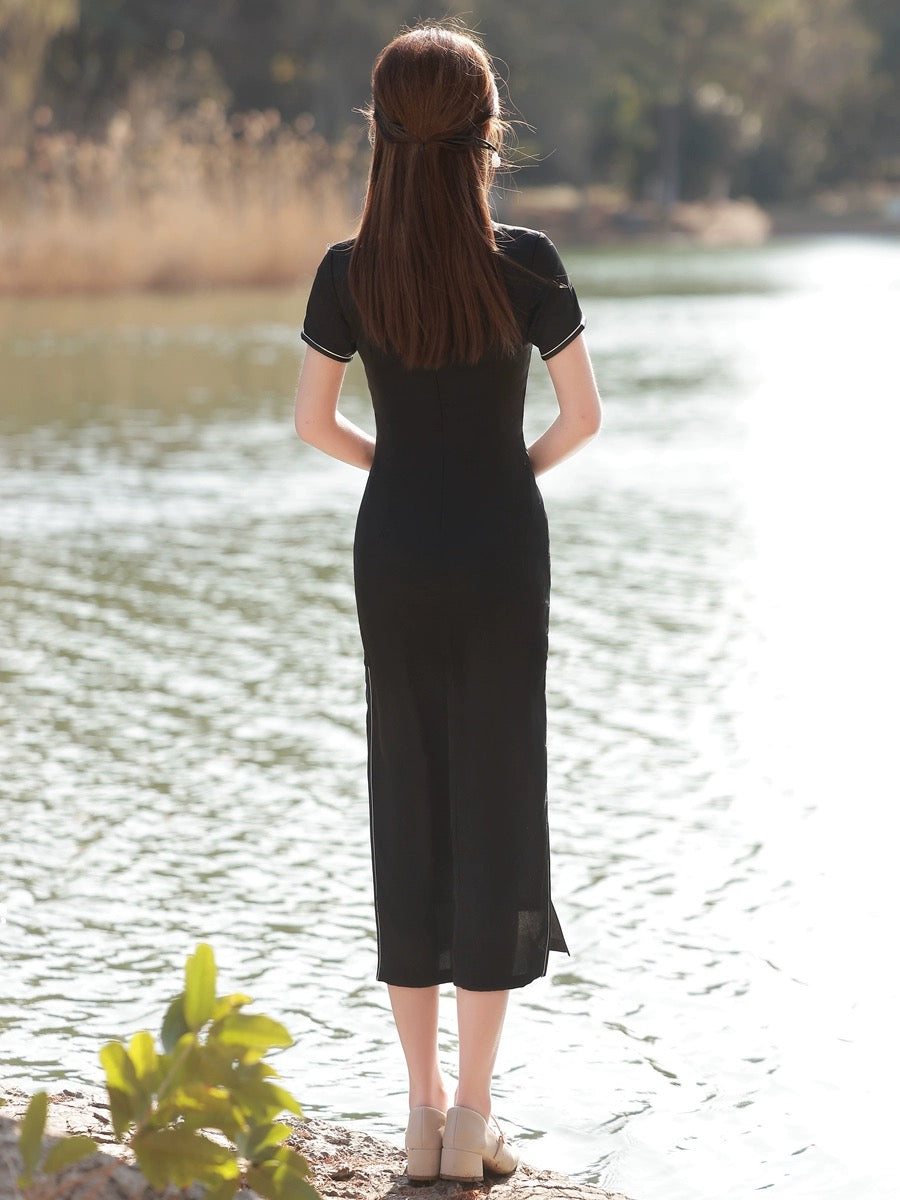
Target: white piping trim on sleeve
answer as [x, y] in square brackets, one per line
[324, 349]
[569, 338]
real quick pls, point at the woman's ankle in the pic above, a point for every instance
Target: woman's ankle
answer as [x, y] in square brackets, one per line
[432, 1095]
[477, 1101]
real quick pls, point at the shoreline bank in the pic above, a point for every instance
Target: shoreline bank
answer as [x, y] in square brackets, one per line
[346, 1164]
[598, 216]
[177, 242]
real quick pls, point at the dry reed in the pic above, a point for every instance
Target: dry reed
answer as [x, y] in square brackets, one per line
[202, 200]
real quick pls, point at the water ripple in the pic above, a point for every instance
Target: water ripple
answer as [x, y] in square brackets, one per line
[183, 755]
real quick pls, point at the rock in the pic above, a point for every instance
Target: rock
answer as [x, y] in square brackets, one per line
[346, 1164]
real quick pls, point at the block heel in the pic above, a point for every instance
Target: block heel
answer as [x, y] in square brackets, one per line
[462, 1166]
[471, 1148]
[423, 1144]
[423, 1164]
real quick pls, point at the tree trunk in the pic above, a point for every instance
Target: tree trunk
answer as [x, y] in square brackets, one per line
[670, 118]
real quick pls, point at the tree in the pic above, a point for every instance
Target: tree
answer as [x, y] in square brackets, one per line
[26, 29]
[665, 97]
[738, 63]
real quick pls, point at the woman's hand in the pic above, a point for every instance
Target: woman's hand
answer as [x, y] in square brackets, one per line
[579, 407]
[316, 416]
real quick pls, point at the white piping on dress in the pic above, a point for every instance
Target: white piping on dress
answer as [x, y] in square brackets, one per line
[568, 338]
[324, 349]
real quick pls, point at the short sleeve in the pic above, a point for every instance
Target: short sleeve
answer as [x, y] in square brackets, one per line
[556, 319]
[325, 326]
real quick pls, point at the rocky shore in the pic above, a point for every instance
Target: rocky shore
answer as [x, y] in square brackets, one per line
[347, 1165]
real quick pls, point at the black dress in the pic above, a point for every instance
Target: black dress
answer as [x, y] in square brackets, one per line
[452, 572]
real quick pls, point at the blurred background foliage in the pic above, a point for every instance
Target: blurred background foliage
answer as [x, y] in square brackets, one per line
[768, 98]
[107, 106]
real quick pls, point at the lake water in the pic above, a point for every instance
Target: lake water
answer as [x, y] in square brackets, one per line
[182, 746]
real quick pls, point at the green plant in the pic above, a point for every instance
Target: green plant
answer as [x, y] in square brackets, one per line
[210, 1075]
[65, 1152]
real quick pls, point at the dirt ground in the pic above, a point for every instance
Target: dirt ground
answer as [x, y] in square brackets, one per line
[346, 1164]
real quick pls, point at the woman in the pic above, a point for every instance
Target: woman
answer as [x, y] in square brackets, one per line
[451, 565]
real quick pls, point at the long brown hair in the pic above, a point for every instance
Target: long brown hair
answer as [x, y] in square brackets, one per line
[425, 271]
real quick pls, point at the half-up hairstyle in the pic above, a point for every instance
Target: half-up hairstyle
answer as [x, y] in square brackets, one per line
[425, 270]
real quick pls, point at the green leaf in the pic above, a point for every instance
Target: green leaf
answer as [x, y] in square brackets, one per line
[260, 1100]
[200, 1106]
[256, 1070]
[252, 1032]
[282, 1178]
[68, 1151]
[142, 1053]
[122, 1111]
[210, 1065]
[121, 1086]
[262, 1141]
[181, 1157]
[226, 1004]
[30, 1135]
[199, 986]
[293, 1159]
[223, 1189]
[120, 1072]
[174, 1025]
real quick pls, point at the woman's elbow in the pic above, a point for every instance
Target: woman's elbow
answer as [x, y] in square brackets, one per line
[591, 418]
[305, 426]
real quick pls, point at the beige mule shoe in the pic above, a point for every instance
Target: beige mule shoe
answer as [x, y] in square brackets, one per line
[471, 1148]
[423, 1143]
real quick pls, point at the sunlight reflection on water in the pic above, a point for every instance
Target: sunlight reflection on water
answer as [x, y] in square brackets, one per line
[182, 751]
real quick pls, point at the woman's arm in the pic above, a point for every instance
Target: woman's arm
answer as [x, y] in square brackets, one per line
[316, 416]
[579, 407]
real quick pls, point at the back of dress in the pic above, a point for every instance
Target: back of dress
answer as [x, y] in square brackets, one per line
[452, 575]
